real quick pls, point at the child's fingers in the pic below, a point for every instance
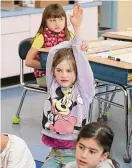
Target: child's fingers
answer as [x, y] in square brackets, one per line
[79, 8]
[84, 46]
[75, 8]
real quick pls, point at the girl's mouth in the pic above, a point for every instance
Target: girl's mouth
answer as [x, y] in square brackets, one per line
[82, 163]
[64, 81]
[57, 28]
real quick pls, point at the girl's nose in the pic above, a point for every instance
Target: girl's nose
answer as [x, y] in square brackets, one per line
[85, 154]
[64, 74]
[57, 22]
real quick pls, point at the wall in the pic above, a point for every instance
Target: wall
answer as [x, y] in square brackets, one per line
[124, 15]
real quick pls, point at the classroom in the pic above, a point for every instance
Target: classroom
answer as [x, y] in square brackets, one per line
[106, 30]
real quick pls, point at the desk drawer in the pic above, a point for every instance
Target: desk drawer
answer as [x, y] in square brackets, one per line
[109, 73]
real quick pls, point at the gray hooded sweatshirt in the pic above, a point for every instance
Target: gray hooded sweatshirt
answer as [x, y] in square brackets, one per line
[104, 164]
[66, 109]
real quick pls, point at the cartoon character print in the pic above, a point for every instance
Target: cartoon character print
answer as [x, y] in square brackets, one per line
[59, 119]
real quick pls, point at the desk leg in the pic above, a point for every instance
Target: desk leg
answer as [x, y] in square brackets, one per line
[111, 99]
[130, 95]
[127, 157]
[100, 109]
[90, 113]
[105, 115]
[106, 97]
[130, 134]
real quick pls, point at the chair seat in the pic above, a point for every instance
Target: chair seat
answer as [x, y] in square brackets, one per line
[35, 87]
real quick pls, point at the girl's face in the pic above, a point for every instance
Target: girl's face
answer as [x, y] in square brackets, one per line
[89, 154]
[56, 24]
[64, 73]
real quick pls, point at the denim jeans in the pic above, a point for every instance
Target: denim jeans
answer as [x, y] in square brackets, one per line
[57, 158]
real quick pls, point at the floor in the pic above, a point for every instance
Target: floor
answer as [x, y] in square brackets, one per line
[30, 126]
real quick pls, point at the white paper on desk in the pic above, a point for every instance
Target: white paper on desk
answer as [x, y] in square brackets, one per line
[125, 33]
[125, 57]
[102, 54]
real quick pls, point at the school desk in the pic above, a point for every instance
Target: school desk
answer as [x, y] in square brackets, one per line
[123, 36]
[112, 73]
[118, 36]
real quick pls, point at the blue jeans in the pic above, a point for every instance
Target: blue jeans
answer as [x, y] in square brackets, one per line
[59, 157]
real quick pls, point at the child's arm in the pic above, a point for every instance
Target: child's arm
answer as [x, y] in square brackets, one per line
[31, 56]
[30, 59]
[85, 79]
[76, 19]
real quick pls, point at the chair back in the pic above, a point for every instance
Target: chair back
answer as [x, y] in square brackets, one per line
[24, 47]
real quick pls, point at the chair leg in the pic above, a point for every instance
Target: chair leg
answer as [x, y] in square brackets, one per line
[16, 119]
[21, 103]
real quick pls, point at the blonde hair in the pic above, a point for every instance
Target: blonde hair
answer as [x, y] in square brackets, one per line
[64, 54]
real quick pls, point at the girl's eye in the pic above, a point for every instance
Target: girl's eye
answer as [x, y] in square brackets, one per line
[58, 70]
[92, 152]
[52, 20]
[82, 148]
[69, 70]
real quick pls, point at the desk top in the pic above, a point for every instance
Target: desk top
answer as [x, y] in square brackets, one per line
[117, 36]
[104, 61]
[44, 49]
[110, 62]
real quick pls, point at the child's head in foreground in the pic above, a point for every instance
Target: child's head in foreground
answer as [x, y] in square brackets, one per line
[93, 145]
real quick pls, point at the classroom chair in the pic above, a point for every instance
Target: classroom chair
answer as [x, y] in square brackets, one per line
[23, 49]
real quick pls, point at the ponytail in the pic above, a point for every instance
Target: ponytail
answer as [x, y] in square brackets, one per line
[115, 163]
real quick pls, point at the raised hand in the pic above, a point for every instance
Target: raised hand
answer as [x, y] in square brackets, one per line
[84, 46]
[77, 15]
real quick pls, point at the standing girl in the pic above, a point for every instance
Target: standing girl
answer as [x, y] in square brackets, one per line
[70, 86]
[53, 30]
[93, 148]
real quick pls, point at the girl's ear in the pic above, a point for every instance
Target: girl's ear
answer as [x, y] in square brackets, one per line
[104, 156]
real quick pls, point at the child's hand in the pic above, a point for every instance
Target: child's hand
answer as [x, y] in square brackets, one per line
[76, 17]
[84, 46]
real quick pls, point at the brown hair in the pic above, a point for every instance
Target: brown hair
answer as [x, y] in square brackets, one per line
[53, 11]
[64, 54]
